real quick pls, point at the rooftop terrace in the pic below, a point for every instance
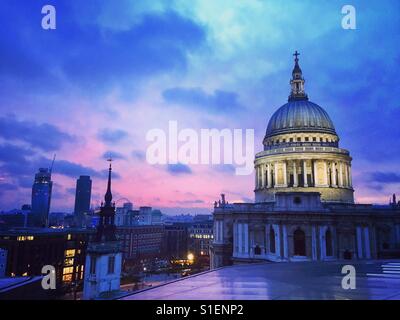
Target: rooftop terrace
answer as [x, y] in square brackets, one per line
[281, 281]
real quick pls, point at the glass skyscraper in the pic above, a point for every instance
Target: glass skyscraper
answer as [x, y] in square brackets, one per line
[41, 197]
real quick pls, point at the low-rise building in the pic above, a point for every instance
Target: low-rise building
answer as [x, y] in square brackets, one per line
[29, 249]
[200, 237]
[141, 242]
[175, 243]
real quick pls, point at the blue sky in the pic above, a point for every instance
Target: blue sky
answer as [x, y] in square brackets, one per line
[111, 71]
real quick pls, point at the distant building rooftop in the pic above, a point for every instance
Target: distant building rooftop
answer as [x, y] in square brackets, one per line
[43, 231]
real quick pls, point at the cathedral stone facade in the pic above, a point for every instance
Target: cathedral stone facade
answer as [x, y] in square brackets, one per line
[304, 207]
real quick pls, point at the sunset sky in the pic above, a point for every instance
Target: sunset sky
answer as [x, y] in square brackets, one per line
[113, 70]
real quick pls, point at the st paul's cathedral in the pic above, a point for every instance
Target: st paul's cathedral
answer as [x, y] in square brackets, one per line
[304, 207]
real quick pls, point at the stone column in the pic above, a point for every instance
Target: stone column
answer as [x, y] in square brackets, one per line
[316, 184]
[285, 243]
[277, 240]
[305, 173]
[269, 174]
[246, 238]
[333, 168]
[235, 238]
[261, 176]
[314, 243]
[350, 177]
[326, 174]
[340, 175]
[221, 232]
[284, 174]
[275, 173]
[322, 244]
[240, 237]
[295, 183]
[255, 177]
[367, 243]
[359, 243]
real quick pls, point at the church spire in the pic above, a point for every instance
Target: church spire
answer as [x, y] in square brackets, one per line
[108, 195]
[297, 81]
[106, 226]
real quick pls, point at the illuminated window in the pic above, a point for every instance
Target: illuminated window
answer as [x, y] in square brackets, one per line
[69, 253]
[24, 238]
[68, 270]
[69, 262]
[69, 237]
[67, 278]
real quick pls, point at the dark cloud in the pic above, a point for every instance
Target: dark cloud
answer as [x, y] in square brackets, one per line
[384, 177]
[74, 170]
[113, 155]
[43, 136]
[81, 49]
[111, 136]
[179, 168]
[225, 168]
[115, 175]
[189, 202]
[13, 154]
[218, 101]
[139, 155]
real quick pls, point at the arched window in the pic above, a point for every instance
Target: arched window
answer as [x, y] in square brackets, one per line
[299, 238]
[272, 240]
[328, 243]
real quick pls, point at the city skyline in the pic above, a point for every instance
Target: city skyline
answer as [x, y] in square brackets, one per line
[194, 67]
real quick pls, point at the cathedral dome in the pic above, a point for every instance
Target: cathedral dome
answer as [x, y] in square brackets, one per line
[300, 115]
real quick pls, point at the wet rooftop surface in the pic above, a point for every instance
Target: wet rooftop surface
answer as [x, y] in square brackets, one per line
[379, 279]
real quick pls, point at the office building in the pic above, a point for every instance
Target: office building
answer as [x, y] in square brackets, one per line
[41, 199]
[82, 199]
